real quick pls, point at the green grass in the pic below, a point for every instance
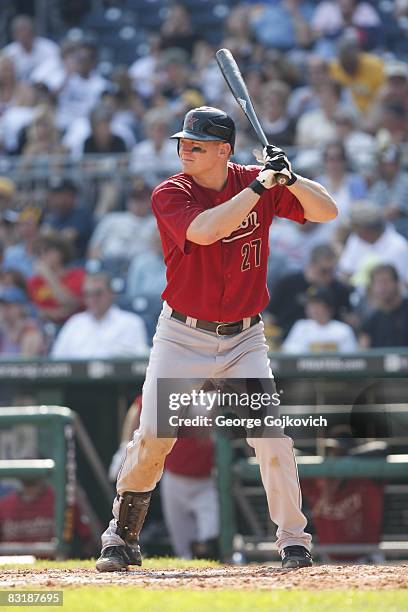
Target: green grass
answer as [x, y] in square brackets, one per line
[112, 599]
[153, 564]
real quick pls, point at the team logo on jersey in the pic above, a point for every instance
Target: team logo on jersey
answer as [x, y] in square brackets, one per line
[247, 227]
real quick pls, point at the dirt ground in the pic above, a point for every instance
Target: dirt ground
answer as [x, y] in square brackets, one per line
[259, 577]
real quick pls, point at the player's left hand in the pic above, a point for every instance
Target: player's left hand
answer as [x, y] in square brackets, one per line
[275, 159]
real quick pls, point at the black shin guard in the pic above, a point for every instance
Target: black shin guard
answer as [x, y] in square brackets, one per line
[132, 513]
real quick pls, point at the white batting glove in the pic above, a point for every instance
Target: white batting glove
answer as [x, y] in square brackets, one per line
[267, 178]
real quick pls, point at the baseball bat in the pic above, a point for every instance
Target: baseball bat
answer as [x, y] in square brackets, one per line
[236, 83]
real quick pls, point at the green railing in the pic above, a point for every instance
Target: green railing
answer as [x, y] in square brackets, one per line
[56, 426]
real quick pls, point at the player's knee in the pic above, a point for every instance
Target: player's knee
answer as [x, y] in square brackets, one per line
[153, 449]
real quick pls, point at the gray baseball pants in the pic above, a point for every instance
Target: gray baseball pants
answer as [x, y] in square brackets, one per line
[180, 350]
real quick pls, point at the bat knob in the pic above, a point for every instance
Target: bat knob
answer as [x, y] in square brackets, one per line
[282, 179]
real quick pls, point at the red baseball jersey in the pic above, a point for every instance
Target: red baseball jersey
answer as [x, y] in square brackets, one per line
[345, 511]
[224, 281]
[191, 457]
[34, 520]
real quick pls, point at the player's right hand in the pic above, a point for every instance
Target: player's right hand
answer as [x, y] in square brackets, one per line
[267, 177]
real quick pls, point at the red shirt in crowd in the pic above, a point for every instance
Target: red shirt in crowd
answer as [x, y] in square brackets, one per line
[33, 520]
[41, 293]
[345, 511]
[205, 282]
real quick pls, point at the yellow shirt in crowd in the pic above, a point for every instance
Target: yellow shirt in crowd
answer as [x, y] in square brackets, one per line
[365, 83]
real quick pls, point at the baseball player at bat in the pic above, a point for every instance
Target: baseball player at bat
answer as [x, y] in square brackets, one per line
[214, 220]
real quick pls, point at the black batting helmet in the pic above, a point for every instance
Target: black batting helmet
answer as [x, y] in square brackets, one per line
[208, 123]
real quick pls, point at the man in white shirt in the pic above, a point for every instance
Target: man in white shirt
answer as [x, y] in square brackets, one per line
[103, 330]
[126, 233]
[28, 51]
[154, 157]
[372, 242]
[320, 332]
[82, 88]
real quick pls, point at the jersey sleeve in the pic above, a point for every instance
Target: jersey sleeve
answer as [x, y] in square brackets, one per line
[287, 206]
[174, 210]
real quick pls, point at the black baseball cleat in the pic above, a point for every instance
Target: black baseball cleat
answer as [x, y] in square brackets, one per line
[117, 558]
[295, 557]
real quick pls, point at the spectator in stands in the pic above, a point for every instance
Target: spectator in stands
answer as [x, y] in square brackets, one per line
[287, 303]
[362, 73]
[103, 330]
[147, 272]
[55, 288]
[11, 89]
[278, 126]
[127, 107]
[12, 278]
[320, 332]
[330, 20]
[28, 51]
[16, 108]
[207, 76]
[297, 243]
[43, 137]
[306, 98]
[66, 215]
[177, 30]
[391, 189]
[102, 142]
[143, 71]
[20, 256]
[175, 77]
[293, 17]
[394, 91]
[125, 234]
[28, 515]
[387, 325]
[82, 87]
[155, 157]
[20, 335]
[238, 32]
[55, 69]
[317, 127]
[102, 139]
[346, 510]
[359, 145]
[392, 128]
[146, 280]
[7, 193]
[372, 241]
[344, 186]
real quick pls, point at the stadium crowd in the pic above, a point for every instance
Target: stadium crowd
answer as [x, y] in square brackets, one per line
[83, 141]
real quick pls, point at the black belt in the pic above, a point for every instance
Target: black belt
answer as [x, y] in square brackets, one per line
[221, 329]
